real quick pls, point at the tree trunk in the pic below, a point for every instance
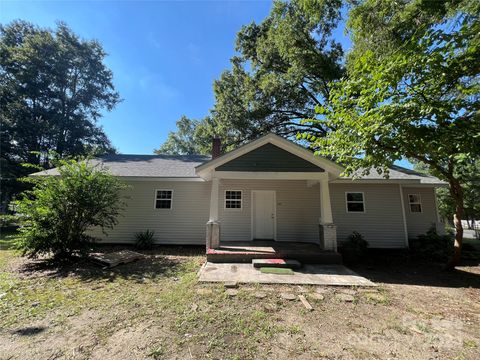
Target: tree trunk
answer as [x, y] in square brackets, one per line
[457, 195]
[469, 221]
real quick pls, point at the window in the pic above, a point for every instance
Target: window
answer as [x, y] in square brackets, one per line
[355, 202]
[233, 199]
[415, 202]
[163, 199]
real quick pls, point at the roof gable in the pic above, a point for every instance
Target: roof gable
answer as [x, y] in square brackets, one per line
[206, 170]
[269, 157]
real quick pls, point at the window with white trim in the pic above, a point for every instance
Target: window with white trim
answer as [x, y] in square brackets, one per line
[415, 202]
[355, 202]
[163, 199]
[233, 199]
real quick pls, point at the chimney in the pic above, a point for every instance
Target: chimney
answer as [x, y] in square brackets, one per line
[216, 146]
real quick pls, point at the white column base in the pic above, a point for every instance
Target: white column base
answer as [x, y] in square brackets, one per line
[328, 236]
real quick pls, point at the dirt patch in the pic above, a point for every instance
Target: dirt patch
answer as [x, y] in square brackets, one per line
[154, 308]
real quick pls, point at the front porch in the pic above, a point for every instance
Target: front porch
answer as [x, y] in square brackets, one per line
[246, 251]
[289, 216]
[270, 189]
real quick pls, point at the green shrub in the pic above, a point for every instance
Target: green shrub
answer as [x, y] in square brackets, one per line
[144, 240]
[55, 215]
[354, 248]
[432, 246]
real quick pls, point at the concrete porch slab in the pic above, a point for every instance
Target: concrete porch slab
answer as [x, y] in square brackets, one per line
[337, 275]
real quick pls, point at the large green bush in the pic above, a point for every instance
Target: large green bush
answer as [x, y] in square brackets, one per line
[56, 214]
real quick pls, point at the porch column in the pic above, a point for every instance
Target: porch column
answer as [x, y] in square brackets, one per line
[325, 205]
[213, 226]
[328, 230]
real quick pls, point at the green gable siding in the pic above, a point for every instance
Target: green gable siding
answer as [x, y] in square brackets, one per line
[269, 158]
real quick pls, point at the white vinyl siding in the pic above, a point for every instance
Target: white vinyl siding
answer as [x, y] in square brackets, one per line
[297, 210]
[419, 222]
[381, 224]
[184, 223]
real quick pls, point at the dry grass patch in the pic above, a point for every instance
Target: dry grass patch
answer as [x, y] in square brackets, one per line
[155, 308]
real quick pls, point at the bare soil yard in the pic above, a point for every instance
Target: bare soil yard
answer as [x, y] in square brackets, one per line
[155, 308]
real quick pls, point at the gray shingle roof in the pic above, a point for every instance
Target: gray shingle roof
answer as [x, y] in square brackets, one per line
[401, 173]
[181, 166]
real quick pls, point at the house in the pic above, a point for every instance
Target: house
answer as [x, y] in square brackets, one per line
[269, 189]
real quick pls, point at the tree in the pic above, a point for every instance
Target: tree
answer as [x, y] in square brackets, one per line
[282, 71]
[56, 214]
[469, 175]
[53, 88]
[419, 100]
[185, 140]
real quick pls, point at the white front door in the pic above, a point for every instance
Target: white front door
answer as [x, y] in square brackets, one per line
[263, 214]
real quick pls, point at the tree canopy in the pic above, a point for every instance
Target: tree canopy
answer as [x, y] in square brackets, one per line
[469, 175]
[53, 88]
[417, 99]
[185, 140]
[282, 71]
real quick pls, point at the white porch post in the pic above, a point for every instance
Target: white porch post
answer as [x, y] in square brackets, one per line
[328, 230]
[325, 204]
[214, 200]
[213, 226]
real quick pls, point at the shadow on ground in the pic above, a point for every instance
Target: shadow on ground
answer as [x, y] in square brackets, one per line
[397, 267]
[161, 261]
[390, 267]
[29, 331]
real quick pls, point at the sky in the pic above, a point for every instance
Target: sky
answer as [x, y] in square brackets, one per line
[164, 56]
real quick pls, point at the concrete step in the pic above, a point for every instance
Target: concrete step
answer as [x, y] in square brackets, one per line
[277, 263]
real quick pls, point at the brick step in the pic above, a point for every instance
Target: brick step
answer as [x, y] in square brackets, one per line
[277, 263]
[324, 257]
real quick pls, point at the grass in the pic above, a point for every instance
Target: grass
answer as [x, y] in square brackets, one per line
[156, 308]
[168, 296]
[6, 239]
[377, 298]
[471, 344]
[29, 299]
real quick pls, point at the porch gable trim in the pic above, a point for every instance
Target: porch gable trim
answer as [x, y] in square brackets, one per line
[205, 170]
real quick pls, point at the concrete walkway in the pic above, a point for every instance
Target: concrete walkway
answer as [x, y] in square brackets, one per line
[337, 275]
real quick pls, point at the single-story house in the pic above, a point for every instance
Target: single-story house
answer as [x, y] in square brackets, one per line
[269, 189]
